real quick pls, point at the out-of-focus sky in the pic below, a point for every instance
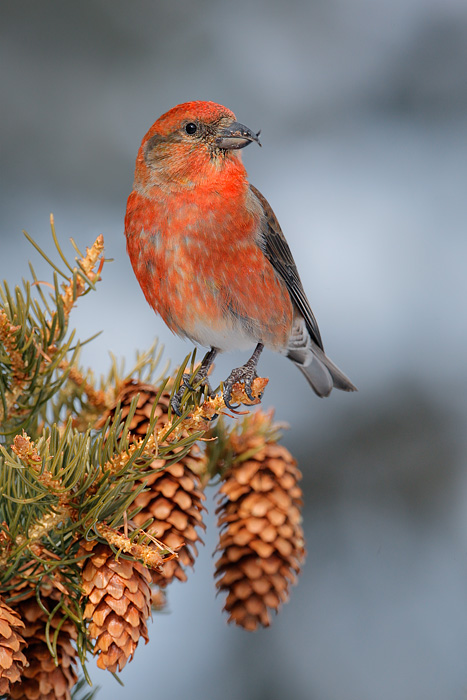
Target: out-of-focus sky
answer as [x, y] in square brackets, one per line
[363, 112]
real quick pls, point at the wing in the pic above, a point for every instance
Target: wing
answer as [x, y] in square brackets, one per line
[278, 253]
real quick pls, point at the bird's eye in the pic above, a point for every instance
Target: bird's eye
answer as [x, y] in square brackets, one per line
[191, 128]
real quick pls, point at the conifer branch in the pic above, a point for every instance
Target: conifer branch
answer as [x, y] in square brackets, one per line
[91, 471]
[148, 555]
[8, 333]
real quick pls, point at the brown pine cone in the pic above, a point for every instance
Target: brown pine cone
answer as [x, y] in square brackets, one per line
[12, 659]
[147, 395]
[174, 500]
[174, 496]
[118, 605]
[46, 678]
[158, 600]
[261, 540]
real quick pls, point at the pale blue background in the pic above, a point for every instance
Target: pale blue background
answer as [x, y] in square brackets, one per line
[362, 106]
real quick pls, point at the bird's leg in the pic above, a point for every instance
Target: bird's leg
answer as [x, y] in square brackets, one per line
[245, 374]
[199, 378]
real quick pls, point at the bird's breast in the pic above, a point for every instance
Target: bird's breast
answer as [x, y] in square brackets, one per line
[200, 267]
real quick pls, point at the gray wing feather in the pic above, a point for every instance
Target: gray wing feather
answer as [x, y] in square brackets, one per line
[278, 253]
[306, 347]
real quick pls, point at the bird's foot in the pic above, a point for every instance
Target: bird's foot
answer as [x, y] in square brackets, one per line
[191, 384]
[244, 375]
[176, 400]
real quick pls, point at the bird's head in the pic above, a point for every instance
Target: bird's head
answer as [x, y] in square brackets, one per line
[191, 143]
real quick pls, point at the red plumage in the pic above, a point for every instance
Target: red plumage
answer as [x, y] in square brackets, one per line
[208, 252]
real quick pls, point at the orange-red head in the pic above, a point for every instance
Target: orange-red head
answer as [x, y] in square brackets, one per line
[189, 145]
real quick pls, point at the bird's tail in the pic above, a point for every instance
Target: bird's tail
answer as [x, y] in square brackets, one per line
[322, 374]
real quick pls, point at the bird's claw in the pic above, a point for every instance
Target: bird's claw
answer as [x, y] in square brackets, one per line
[176, 401]
[227, 396]
[248, 390]
[244, 375]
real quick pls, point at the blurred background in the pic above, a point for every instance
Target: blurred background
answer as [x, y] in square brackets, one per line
[363, 112]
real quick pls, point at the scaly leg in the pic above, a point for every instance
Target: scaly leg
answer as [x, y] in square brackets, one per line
[246, 374]
[200, 378]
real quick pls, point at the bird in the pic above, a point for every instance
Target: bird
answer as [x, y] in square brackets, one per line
[209, 254]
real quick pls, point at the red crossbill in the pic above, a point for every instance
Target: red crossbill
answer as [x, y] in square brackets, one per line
[209, 253]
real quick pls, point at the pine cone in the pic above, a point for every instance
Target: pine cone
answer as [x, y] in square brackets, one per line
[147, 395]
[46, 678]
[174, 500]
[12, 659]
[261, 539]
[118, 605]
[158, 601]
[174, 496]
